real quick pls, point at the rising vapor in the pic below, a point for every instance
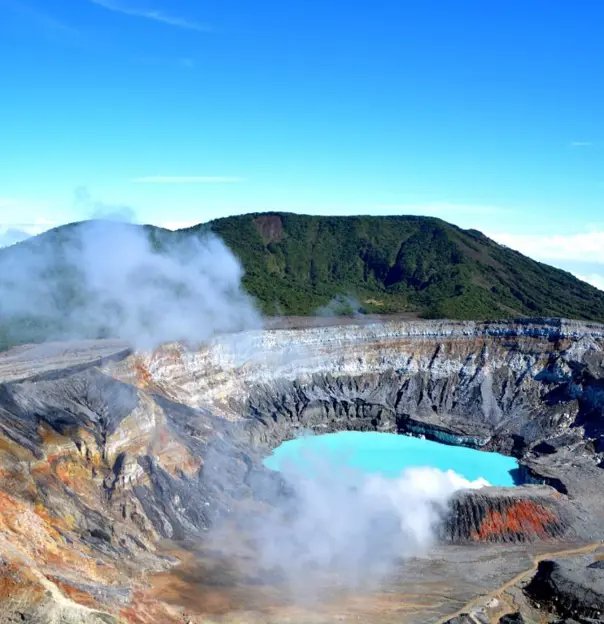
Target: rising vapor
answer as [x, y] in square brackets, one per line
[109, 279]
[330, 525]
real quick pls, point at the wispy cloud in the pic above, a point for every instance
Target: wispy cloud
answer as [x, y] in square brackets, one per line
[179, 225]
[12, 236]
[581, 144]
[152, 14]
[187, 62]
[188, 179]
[13, 232]
[594, 279]
[585, 247]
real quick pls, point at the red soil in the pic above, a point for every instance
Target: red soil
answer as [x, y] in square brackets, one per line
[524, 517]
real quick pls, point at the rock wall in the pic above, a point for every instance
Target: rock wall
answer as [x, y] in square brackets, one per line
[497, 386]
[570, 588]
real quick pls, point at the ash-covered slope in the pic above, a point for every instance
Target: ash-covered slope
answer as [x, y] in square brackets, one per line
[106, 452]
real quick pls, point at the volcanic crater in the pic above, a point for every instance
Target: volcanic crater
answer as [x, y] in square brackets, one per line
[125, 473]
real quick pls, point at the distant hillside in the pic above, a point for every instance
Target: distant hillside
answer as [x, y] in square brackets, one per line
[299, 265]
[296, 263]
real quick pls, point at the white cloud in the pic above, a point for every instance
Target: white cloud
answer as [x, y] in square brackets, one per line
[19, 220]
[581, 144]
[179, 225]
[10, 236]
[14, 232]
[152, 14]
[187, 179]
[588, 247]
[594, 279]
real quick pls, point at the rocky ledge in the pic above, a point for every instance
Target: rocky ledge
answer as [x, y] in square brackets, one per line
[571, 589]
[106, 453]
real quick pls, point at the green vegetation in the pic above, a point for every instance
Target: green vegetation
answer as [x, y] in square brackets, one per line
[298, 264]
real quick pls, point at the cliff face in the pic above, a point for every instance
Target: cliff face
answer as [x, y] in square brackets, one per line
[104, 453]
[496, 386]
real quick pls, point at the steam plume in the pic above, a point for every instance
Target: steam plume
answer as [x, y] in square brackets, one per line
[330, 524]
[111, 279]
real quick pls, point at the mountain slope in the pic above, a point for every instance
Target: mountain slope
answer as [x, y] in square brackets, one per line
[294, 264]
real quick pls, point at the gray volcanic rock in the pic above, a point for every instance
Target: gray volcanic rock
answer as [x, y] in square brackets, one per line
[597, 565]
[462, 387]
[570, 588]
[55, 359]
[512, 618]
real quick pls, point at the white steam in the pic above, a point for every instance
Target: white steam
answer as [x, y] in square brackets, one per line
[340, 305]
[107, 279]
[344, 524]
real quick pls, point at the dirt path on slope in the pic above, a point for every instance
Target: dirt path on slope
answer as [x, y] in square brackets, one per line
[497, 593]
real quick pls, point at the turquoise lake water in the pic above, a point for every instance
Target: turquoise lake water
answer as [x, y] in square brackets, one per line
[388, 454]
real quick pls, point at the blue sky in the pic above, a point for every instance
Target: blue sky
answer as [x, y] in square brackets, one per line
[486, 113]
